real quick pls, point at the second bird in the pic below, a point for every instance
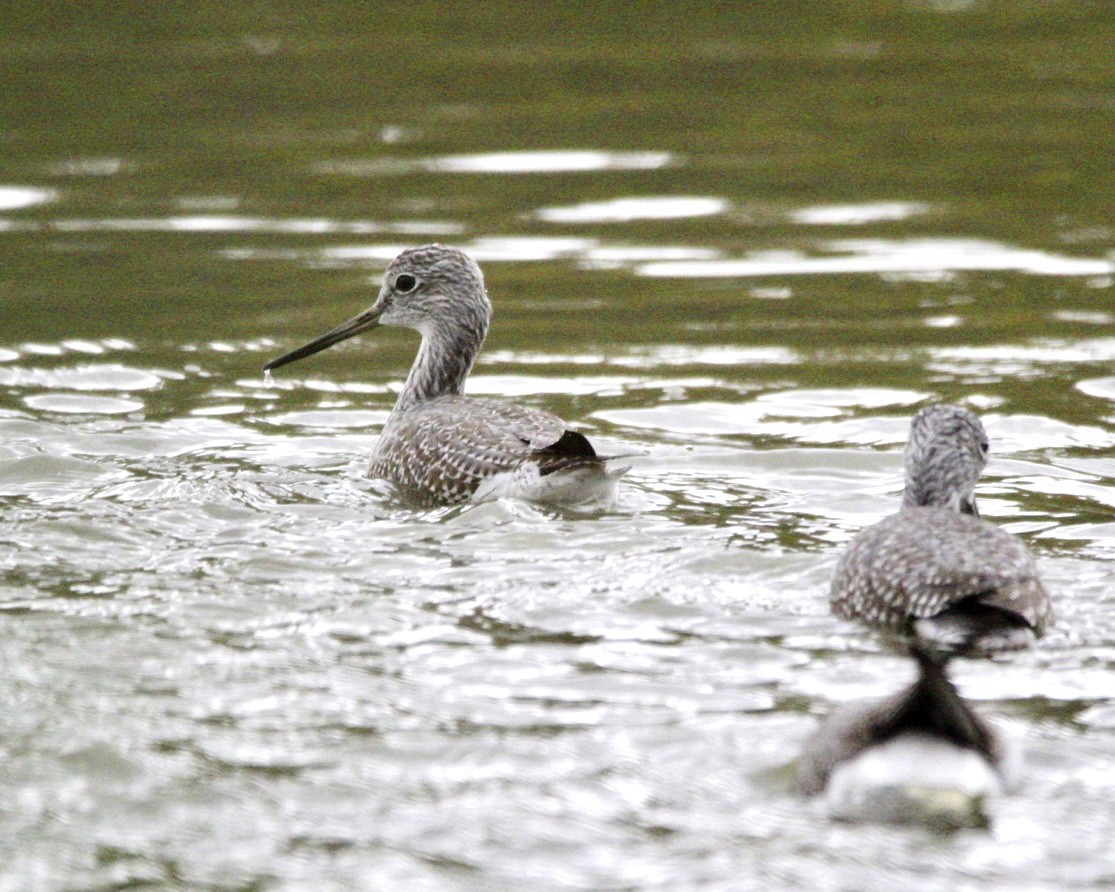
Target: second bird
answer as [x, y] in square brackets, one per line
[444, 447]
[935, 568]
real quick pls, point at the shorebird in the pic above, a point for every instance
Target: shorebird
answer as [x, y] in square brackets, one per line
[935, 567]
[921, 755]
[441, 446]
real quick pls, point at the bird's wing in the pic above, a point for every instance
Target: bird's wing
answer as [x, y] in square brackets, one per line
[923, 560]
[451, 444]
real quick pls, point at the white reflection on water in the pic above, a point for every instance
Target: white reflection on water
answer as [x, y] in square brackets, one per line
[811, 417]
[915, 259]
[526, 247]
[611, 256]
[1103, 388]
[1084, 317]
[558, 161]
[1026, 432]
[942, 321]
[914, 256]
[483, 250]
[525, 385]
[41, 349]
[1025, 360]
[858, 214]
[87, 167]
[624, 210]
[658, 356]
[229, 409]
[332, 418]
[549, 162]
[14, 198]
[86, 377]
[682, 354]
[79, 345]
[784, 417]
[80, 404]
[235, 223]
[588, 253]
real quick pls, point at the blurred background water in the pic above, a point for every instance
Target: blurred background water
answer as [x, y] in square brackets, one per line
[747, 242]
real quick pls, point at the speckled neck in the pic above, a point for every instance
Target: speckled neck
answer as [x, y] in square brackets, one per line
[939, 484]
[444, 360]
[944, 456]
[925, 490]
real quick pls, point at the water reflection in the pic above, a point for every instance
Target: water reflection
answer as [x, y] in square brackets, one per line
[217, 223]
[1104, 388]
[624, 210]
[859, 214]
[76, 404]
[87, 167]
[1019, 360]
[529, 162]
[14, 198]
[108, 376]
[891, 257]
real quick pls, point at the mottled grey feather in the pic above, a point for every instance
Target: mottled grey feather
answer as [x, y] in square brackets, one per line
[936, 555]
[446, 447]
[921, 561]
[945, 454]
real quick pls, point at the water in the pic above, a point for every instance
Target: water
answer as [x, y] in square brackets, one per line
[749, 253]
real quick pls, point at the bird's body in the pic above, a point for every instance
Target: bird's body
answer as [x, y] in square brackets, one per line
[936, 567]
[438, 444]
[457, 448]
[921, 755]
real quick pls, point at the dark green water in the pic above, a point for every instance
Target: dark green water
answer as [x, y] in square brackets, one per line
[747, 242]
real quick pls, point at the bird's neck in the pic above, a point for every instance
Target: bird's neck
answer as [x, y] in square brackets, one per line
[919, 494]
[916, 495]
[444, 360]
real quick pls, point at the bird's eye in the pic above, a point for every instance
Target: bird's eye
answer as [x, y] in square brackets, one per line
[405, 282]
[984, 446]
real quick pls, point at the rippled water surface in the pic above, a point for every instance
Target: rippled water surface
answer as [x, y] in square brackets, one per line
[747, 249]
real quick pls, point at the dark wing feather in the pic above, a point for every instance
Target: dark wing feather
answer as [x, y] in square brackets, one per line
[570, 450]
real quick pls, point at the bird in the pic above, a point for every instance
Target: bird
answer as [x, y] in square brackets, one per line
[921, 755]
[440, 446]
[936, 568]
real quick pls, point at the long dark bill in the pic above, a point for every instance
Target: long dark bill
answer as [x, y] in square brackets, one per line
[368, 319]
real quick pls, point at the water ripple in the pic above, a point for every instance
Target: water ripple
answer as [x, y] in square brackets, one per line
[888, 257]
[543, 162]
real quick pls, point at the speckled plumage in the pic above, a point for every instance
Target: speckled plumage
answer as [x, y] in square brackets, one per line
[439, 445]
[936, 565]
[944, 456]
[888, 754]
[923, 560]
[450, 446]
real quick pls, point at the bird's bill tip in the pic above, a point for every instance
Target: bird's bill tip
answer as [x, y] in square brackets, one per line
[345, 330]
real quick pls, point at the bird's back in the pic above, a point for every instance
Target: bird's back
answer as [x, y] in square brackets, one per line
[925, 560]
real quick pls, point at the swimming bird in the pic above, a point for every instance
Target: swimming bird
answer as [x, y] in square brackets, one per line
[936, 567]
[440, 446]
[921, 755]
